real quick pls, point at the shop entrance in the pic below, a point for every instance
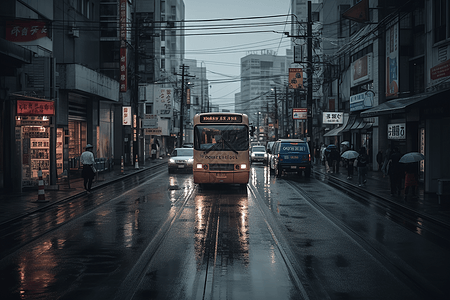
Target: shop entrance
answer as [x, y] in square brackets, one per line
[77, 138]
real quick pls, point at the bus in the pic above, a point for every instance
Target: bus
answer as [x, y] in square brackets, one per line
[221, 148]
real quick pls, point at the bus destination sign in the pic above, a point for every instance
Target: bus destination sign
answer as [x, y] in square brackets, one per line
[220, 119]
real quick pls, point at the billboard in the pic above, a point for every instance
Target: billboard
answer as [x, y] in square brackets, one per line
[392, 61]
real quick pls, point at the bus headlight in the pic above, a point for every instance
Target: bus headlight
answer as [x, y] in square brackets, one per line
[199, 166]
[243, 166]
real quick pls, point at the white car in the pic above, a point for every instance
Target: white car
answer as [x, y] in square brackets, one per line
[258, 154]
[181, 159]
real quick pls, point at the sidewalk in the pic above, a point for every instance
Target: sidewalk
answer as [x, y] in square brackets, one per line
[15, 205]
[425, 204]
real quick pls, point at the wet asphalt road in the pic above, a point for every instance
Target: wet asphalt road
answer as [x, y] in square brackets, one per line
[163, 237]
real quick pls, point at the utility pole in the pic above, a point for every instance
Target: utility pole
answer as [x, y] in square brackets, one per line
[276, 114]
[180, 141]
[309, 100]
[183, 93]
[286, 129]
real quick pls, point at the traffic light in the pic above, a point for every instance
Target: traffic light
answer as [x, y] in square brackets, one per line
[252, 130]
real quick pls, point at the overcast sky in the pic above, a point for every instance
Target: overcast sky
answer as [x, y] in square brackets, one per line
[221, 53]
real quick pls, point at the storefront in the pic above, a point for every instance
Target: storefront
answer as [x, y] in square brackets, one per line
[33, 139]
[77, 128]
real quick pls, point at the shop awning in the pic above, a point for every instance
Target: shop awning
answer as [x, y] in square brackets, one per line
[334, 132]
[397, 105]
[364, 125]
[351, 121]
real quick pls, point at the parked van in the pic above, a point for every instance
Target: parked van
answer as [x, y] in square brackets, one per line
[291, 155]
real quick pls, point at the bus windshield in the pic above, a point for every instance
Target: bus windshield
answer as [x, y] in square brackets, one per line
[221, 137]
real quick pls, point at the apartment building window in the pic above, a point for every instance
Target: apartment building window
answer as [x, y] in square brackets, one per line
[441, 12]
[163, 35]
[163, 50]
[163, 64]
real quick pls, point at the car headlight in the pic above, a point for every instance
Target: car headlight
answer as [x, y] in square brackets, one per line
[190, 161]
[171, 160]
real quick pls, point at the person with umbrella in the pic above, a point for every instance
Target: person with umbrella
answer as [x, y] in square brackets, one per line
[411, 171]
[350, 156]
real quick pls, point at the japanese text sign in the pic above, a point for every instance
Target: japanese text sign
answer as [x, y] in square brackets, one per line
[397, 131]
[25, 31]
[333, 118]
[126, 115]
[163, 102]
[35, 108]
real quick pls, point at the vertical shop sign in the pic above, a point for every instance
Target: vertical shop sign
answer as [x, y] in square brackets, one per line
[163, 102]
[392, 60]
[126, 115]
[295, 78]
[123, 45]
[397, 131]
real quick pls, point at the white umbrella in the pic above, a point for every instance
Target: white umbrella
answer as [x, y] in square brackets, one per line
[345, 143]
[350, 154]
[412, 157]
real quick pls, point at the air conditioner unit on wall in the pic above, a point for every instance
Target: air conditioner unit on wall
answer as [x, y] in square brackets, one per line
[74, 32]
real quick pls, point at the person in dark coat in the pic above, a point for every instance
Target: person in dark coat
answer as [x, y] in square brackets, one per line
[380, 160]
[395, 171]
[362, 159]
[335, 158]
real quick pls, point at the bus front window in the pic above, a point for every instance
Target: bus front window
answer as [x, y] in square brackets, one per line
[221, 138]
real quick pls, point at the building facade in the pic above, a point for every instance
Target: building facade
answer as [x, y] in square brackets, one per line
[389, 73]
[71, 75]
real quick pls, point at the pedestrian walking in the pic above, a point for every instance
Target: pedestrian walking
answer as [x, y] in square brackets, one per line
[316, 154]
[362, 161]
[328, 160]
[395, 171]
[380, 160]
[88, 172]
[411, 179]
[350, 168]
[384, 168]
[335, 159]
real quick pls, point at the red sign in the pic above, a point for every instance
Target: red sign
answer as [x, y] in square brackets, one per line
[25, 31]
[299, 113]
[35, 108]
[441, 70]
[295, 78]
